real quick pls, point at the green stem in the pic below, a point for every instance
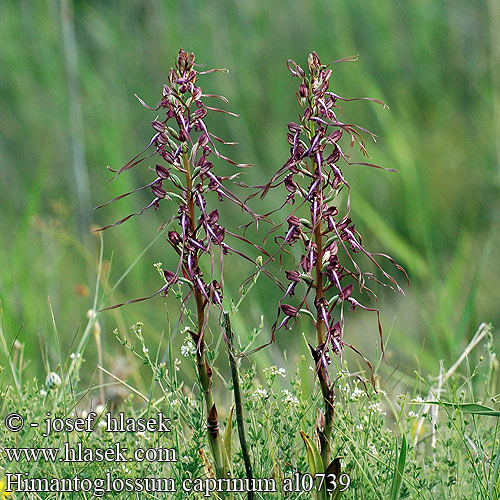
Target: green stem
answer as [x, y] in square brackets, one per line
[238, 402]
[322, 370]
[204, 371]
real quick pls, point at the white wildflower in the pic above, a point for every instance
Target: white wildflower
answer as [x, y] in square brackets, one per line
[188, 348]
[272, 371]
[375, 407]
[356, 394]
[260, 393]
[418, 399]
[412, 414]
[289, 398]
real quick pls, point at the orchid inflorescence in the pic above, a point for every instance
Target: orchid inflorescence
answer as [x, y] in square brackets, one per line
[327, 268]
[313, 174]
[184, 145]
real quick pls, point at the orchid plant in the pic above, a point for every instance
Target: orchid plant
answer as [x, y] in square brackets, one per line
[327, 269]
[185, 175]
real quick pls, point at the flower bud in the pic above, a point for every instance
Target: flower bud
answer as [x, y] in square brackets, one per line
[158, 126]
[183, 135]
[289, 310]
[170, 277]
[162, 172]
[158, 191]
[53, 380]
[174, 238]
[294, 127]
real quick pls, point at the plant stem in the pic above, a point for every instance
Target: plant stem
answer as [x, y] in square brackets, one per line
[321, 368]
[204, 370]
[237, 402]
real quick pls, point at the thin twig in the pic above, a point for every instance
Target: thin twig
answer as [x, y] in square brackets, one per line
[238, 403]
[135, 391]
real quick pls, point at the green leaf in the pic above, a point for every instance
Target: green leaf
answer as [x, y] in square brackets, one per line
[399, 467]
[473, 408]
[315, 462]
[228, 437]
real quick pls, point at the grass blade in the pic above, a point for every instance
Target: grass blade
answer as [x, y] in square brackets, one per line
[399, 467]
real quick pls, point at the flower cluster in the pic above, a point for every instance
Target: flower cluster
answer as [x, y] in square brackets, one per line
[183, 147]
[327, 235]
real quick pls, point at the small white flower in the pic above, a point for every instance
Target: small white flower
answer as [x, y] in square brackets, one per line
[359, 427]
[102, 423]
[43, 393]
[375, 407]
[99, 408]
[373, 450]
[418, 399]
[177, 364]
[175, 402]
[289, 398]
[356, 394]
[412, 414]
[53, 380]
[260, 393]
[272, 371]
[191, 402]
[188, 348]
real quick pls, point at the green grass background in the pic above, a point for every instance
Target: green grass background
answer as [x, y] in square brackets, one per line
[68, 72]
